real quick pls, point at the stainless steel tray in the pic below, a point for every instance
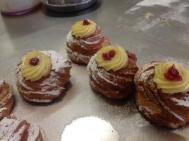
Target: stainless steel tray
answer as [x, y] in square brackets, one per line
[73, 7]
[153, 32]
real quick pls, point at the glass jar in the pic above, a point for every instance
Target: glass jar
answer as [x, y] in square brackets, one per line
[18, 7]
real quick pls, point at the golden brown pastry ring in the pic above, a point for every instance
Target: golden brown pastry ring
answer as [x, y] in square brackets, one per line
[50, 87]
[80, 50]
[170, 111]
[6, 99]
[114, 85]
[13, 129]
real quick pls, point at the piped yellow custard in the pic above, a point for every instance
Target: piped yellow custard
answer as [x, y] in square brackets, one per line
[83, 29]
[35, 65]
[171, 78]
[112, 58]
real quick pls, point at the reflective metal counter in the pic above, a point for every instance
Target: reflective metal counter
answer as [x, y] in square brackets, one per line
[153, 29]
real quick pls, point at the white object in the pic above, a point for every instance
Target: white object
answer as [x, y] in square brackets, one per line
[90, 129]
[17, 5]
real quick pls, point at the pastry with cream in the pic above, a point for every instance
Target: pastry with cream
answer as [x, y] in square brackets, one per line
[162, 93]
[111, 72]
[84, 40]
[6, 99]
[43, 76]
[13, 129]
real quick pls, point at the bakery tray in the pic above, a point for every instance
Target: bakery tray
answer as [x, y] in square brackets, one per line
[153, 30]
[65, 8]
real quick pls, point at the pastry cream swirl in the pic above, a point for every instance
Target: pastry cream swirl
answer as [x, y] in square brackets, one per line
[82, 30]
[36, 71]
[116, 61]
[168, 86]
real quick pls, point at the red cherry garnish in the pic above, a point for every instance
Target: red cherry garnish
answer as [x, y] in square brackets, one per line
[109, 55]
[34, 61]
[112, 53]
[86, 22]
[173, 74]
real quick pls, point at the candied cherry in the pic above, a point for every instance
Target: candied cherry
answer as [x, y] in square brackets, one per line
[34, 61]
[109, 55]
[173, 74]
[86, 22]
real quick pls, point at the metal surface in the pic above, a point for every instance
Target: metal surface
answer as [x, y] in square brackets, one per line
[73, 7]
[152, 32]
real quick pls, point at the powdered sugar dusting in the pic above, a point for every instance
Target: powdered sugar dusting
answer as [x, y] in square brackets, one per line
[151, 3]
[174, 10]
[33, 132]
[48, 86]
[142, 77]
[182, 102]
[39, 100]
[166, 3]
[8, 126]
[102, 73]
[81, 42]
[57, 59]
[12, 129]
[17, 136]
[77, 56]
[93, 67]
